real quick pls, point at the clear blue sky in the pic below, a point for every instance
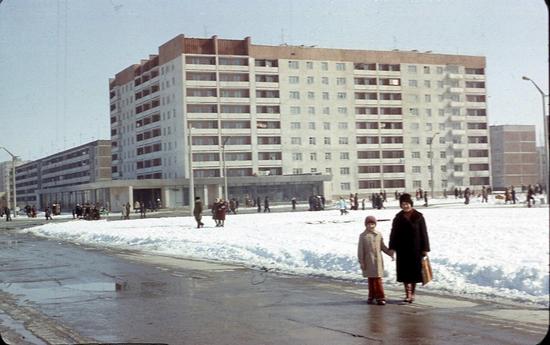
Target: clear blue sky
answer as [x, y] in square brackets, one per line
[56, 56]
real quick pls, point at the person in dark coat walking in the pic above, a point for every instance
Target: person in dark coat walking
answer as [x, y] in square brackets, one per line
[259, 204]
[7, 211]
[266, 205]
[48, 213]
[197, 212]
[293, 201]
[409, 239]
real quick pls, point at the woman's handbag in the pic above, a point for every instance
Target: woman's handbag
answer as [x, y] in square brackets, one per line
[426, 271]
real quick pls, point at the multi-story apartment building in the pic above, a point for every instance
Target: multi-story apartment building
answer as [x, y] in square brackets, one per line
[366, 119]
[58, 177]
[514, 157]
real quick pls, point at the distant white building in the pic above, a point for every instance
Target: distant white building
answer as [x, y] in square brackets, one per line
[6, 182]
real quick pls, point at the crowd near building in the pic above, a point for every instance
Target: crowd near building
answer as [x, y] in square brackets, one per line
[240, 120]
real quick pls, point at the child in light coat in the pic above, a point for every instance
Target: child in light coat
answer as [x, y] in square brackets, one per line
[369, 252]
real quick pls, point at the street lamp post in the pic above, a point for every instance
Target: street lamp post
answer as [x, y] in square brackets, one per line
[191, 180]
[544, 122]
[432, 165]
[224, 168]
[13, 159]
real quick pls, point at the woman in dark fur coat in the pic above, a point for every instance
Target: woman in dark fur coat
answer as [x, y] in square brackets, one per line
[409, 239]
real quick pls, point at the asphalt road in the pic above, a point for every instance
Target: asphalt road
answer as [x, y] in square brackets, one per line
[60, 293]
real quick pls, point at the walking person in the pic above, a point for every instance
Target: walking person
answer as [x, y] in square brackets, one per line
[513, 193]
[197, 212]
[221, 210]
[259, 204]
[369, 252]
[127, 212]
[142, 210]
[342, 206]
[266, 205]
[48, 213]
[293, 201]
[7, 211]
[409, 240]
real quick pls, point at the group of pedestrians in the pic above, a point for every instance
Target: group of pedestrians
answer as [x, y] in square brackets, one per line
[408, 242]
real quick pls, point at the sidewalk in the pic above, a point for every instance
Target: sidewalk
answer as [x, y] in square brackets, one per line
[233, 305]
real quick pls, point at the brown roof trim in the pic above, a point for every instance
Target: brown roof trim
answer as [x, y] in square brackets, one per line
[210, 46]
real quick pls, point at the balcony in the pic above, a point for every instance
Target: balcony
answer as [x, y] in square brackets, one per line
[271, 162]
[456, 104]
[455, 76]
[456, 90]
[266, 69]
[199, 67]
[235, 84]
[239, 100]
[233, 68]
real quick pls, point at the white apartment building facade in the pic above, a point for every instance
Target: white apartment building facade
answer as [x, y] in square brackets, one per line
[364, 119]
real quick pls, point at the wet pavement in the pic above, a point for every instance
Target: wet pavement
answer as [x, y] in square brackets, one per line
[54, 293]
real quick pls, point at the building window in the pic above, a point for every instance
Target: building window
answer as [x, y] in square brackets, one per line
[312, 141]
[340, 81]
[309, 65]
[426, 69]
[344, 171]
[295, 125]
[296, 141]
[417, 184]
[293, 79]
[427, 84]
[415, 140]
[340, 66]
[326, 110]
[345, 186]
[344, 156]
[311, 110]
[342, 110]
[415, 154]
[310, 80]
[427, 98]
[325, 95]
[296, 156]
[439, 70]
[295, 110]
[294, 95]
[413, 83]
[326, 125]
[311, 125]
[341, 95]
[324, 80]
[313, 156]
[327, 140]
[324, 66]
[343, 140]
[328, 171]
[429, 112]
[413, 111]
[293, 64]
[411, 68]
[311, 95]
[328, 156]
[443, 168]
[342, 125]
[297, 171]
[416, 169]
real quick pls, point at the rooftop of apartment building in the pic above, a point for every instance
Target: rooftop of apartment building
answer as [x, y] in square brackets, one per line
[215, 46]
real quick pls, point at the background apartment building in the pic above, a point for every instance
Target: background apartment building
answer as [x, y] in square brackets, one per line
[514, 156]
[365, 118]
[56, 178]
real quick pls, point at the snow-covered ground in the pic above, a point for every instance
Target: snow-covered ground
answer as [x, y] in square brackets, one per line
[482, 250]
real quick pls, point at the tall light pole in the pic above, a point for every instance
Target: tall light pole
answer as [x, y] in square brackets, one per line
[224, 169]
[13, 159]
[191, 180]
[544, 124]
[432, 165]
